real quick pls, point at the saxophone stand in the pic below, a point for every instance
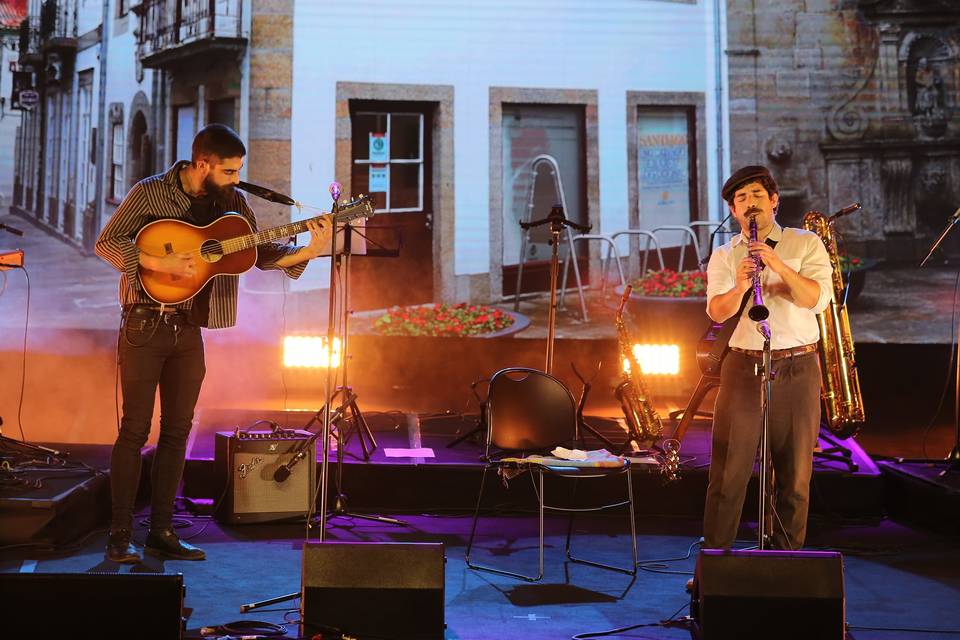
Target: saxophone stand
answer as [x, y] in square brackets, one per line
[953, 458]
[836, 452]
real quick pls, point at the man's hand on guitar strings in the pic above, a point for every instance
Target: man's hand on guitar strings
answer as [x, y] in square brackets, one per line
[178, 264]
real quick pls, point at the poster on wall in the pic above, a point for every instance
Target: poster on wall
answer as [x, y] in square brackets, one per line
[379, 147]
[379, 178]
[663, 169]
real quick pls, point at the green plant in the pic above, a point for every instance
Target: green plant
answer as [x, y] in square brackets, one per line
[442, 320]
[672, 284]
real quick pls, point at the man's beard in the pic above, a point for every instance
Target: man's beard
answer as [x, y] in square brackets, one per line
[215, 191]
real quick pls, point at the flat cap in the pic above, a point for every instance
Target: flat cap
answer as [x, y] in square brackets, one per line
[742, 176]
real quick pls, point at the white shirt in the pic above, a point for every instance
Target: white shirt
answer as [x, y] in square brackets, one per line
[790, 325]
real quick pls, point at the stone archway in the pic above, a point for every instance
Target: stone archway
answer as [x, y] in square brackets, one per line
[141, 139]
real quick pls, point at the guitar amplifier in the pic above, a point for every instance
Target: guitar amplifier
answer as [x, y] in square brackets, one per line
[246, 464]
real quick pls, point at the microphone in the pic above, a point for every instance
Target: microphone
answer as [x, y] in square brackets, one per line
[10, 229]
[334, 190]
[283, 471]
[847, 210]
[266, 194]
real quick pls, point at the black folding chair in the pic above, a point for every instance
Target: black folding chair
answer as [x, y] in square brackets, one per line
[528, 412]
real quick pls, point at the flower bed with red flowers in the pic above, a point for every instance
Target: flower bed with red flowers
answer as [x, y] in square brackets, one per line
[848, 263]
[443, 320]
[668, 283]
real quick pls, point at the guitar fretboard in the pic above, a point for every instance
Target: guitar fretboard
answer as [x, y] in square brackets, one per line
[351, 212]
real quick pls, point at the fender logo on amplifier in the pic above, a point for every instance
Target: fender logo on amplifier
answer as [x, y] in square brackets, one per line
[244, 468]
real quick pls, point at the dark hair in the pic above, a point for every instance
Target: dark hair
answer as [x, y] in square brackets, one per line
[217, 140]
[766, 182]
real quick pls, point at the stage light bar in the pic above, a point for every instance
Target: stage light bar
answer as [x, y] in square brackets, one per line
[310, 351]
[656, 359]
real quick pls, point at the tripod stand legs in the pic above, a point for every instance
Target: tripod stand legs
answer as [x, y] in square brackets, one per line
[836, 452]
[367, 442]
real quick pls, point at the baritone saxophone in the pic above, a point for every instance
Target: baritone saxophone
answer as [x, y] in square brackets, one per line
[840, 387]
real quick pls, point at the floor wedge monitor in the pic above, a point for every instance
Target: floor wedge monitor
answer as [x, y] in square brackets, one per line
[108, 606]
[387, 590]
[768, 594]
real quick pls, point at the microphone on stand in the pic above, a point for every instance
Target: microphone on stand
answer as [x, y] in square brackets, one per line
[283, 471]
[266, 194]
[334, 190]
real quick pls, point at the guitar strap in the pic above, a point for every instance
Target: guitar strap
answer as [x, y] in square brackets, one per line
[721, 344]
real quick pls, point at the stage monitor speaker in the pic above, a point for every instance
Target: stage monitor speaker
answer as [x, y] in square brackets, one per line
[109, 606]
[388, 590]
[768, 594]
[246, 463]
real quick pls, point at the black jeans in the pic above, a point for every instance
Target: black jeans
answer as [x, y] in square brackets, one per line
[164, 351]
[794, 422]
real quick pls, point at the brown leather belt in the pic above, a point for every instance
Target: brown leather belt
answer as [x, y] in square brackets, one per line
[777, 354]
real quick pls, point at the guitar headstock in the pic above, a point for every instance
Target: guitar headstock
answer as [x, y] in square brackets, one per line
[360, 207]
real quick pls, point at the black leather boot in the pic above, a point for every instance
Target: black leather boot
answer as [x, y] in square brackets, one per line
[166, 544]
[120, 548]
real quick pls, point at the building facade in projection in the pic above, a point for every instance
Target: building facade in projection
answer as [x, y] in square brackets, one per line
[852, 100]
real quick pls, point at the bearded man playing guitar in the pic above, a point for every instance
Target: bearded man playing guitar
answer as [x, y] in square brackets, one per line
[160, 343]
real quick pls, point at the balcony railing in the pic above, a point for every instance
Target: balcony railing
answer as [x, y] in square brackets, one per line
[58, 24]
[173, 30]
[30, 39]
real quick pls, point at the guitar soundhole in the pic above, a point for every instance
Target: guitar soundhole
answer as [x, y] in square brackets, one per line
[211, 251]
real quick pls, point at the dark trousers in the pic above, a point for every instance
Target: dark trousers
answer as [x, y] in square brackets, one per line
[165, 352]
[794, 421]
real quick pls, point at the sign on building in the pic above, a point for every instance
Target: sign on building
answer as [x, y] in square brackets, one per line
[24, 95]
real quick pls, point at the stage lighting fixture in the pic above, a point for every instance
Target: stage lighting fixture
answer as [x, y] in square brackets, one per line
[310, 351]
[656, 359]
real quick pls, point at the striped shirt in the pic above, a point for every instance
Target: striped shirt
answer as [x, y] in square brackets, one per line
[161, 197]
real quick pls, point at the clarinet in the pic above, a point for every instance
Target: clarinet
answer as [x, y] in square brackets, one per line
[758, 312]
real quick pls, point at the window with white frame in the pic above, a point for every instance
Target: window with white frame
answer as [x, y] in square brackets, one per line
[117, 190]
[388, 159]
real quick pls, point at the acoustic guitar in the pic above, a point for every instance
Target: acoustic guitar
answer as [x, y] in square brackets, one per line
[226, 246]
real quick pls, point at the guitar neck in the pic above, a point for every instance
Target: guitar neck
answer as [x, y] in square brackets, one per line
[249, 241]
[274, 234]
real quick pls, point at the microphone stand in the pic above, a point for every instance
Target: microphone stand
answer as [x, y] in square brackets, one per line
[329, 391]
[953, 458]
[759, 314]
[349, 399]
[557, 222]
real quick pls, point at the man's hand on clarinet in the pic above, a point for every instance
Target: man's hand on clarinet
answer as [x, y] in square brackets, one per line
[745, 271]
